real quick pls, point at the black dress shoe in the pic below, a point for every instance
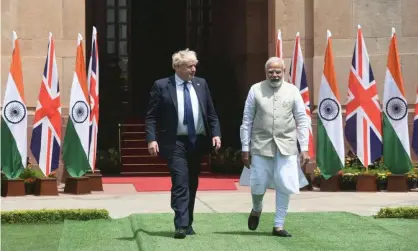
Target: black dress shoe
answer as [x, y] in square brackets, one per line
[253, 221]
[190, 231]
[281, 233]
[180, 233]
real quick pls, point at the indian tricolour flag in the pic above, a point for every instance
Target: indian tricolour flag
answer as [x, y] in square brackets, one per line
[330, 140]
[415, 128]
[76, 141]
[396, 149]
[279, 45]
[14, 119]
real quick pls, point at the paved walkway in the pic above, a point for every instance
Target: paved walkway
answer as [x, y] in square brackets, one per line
[123, 200]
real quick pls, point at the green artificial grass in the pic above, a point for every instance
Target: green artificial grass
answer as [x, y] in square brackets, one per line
[226, 231]
[43, 237]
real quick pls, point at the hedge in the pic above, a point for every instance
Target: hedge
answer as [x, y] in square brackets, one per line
[399, 212]
[52, 215]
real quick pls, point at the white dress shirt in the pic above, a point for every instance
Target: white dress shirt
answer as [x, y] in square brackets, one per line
[299, 113]
[197, 114]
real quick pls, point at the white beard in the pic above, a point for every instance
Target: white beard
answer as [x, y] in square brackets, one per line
[276, 84]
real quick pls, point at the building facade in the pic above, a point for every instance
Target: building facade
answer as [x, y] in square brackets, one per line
[233, 39]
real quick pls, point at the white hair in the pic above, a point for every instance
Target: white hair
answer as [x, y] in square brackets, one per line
[274, 60]
[184, 57]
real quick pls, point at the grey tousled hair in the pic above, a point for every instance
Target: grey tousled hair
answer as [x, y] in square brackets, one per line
[184, 56]
[275, 60]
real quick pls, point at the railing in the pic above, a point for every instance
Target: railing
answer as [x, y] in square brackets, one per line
[120, 143]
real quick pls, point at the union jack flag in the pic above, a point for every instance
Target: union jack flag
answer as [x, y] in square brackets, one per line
[46, 133]
[297, 76]
[363, 128]
[93, 85]
[415, 132]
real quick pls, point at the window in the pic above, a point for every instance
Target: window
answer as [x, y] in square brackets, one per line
[199, 22]
[117, 28]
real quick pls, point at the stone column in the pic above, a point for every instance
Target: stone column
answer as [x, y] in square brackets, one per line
[256, 37]
[292, 16]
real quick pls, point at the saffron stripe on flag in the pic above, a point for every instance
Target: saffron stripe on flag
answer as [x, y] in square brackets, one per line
[396, 148]
[415, 128]
[14, 119]
[330, 140]
[279, 45]
[76, 141]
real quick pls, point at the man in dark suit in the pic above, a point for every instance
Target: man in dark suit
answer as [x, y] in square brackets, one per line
[181, 111]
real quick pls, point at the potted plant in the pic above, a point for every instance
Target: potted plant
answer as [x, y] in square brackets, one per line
[349, 181]
[218, 160]
[108, 162]
[316, 182]
[29, 185]
[29, 176]
[382, 180]
[36, 183]
[12, 187]
[332, 184]
[47, 186]
[367, 181]
[227, 161]
[234, 161]
[366, 176]
[397, 183]
[52, 175]
[412, 180]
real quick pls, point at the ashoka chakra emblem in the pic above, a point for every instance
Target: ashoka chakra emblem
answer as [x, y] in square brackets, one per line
[14, 112]
[80, 112]
[396, 108]
[329, 109]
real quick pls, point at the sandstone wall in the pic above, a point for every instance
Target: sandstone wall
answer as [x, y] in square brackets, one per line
[33, 19]
[312, 18]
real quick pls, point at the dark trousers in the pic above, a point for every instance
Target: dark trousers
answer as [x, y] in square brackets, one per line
[184, 168]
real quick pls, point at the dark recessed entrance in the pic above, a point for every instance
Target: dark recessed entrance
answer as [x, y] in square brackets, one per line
[138, 38]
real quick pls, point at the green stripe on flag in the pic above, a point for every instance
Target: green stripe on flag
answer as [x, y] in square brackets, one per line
[327, 158]
[11, 161]
[395, 158]
[75, 158]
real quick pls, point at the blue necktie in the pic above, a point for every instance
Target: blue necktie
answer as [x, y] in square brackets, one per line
[188, 115]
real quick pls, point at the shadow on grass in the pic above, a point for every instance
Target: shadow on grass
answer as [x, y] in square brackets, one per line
[168, 234]
[150, 233]
[245, 233]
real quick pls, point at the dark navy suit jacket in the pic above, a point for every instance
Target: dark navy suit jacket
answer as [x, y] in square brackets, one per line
[162, 116]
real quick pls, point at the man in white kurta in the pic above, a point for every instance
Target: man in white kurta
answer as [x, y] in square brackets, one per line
[274, 121]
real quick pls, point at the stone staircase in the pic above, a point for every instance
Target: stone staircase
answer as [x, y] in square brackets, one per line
[134, 153]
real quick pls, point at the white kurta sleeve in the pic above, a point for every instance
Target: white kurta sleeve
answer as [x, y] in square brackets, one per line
[247, 121]
[302, 123]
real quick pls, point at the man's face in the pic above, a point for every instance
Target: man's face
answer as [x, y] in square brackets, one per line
[274, 72]
[186, 71]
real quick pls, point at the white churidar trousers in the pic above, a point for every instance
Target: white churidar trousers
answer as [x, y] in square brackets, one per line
[283, 173]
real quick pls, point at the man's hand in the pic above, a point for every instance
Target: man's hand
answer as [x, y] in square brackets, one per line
[153, 148]
[216, 142]
[245, 158]
[304, 158]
